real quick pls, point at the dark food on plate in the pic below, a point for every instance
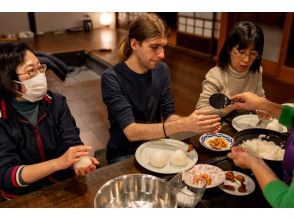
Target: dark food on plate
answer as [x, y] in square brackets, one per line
[242, 188]
[240, 178]
[230, 176]
[217, 143]
[190, 148]
[229, 187]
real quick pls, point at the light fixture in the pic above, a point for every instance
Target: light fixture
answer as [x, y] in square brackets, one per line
[105, 19]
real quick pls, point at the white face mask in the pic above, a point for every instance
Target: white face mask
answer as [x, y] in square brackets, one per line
[36, 87]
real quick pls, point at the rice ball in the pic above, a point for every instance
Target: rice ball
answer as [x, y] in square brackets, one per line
[158, 159]
[274, 125]
[179, 158]
[84, 162]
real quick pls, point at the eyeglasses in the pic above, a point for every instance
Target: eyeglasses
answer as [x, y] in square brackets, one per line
[240, 54]
[34, 71]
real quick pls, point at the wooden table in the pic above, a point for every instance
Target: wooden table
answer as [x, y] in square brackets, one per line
[80, 191]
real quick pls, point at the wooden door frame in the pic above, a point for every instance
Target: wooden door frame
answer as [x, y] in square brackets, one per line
[286, 73]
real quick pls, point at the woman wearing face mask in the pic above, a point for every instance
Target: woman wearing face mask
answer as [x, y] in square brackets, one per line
[238, 69]
[39, 140]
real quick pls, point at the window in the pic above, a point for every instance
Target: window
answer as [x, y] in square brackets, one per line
[203, 24]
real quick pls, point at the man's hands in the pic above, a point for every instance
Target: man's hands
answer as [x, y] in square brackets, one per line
[201, 121]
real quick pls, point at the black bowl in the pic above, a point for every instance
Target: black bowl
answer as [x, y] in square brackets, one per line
[248, 134]
[270, 135]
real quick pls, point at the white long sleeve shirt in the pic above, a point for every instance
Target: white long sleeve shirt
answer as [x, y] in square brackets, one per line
[230, 83]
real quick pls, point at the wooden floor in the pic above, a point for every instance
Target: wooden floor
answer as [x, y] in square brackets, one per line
[188, 70]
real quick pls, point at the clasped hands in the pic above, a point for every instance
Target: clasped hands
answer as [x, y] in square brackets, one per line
[78, 157]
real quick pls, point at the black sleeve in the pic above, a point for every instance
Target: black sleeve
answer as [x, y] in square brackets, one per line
[118, 105]
[68, 132]
[9, 159]
[166, 100]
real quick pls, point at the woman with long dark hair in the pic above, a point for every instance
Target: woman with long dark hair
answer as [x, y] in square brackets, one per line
[238, 68]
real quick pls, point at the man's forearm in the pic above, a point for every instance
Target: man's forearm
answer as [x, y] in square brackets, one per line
[136, 131]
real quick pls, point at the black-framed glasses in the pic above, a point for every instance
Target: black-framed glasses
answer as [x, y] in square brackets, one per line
[34, 71]
[240, 54]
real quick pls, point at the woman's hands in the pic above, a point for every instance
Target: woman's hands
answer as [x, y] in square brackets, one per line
[263, 115]
[242, 158]
[85, 165]
[262, 172]
[249, 101]
[73, 155]
[201, 121]
[229, 109]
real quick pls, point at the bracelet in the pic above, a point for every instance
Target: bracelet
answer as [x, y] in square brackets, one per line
[164, 130]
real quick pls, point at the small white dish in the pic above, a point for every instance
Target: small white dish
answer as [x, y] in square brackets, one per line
[206, 138]
[248, 182]
[242, 122]
[213, 175]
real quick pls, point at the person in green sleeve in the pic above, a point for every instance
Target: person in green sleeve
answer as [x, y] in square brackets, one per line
[279, 193]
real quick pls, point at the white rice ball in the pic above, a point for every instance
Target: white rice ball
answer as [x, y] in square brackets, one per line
[84, 162]
[179, 158]
[158, 159]
[274, 125]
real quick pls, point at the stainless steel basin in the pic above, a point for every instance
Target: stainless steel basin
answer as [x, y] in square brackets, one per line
[136, 191]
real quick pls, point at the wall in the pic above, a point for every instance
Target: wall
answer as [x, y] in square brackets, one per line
[15, 22]
[56, 21]
[20, 22]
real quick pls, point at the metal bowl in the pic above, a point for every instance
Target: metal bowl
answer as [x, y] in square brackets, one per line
[136, 191]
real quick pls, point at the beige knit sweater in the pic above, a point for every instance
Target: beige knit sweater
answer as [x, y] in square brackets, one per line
[230, 83]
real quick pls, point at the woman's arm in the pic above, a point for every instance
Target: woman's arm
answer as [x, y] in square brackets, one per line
[252, 101]
[259, 87]
[261, 171]
[35, 172]
[211, 85]
[277, 193]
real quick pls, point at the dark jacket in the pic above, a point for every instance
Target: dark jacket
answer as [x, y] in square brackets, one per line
[21, 143]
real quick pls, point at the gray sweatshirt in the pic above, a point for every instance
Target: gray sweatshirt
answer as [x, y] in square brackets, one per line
[230, 83]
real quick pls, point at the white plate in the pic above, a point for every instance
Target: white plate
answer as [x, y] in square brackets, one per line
[249, 183]
[216, 174]
[289, 104]
[147, 149]
[203, 140]
[242, 122]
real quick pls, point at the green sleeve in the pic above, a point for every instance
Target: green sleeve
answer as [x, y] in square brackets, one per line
[286, 117]
[279, 194]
